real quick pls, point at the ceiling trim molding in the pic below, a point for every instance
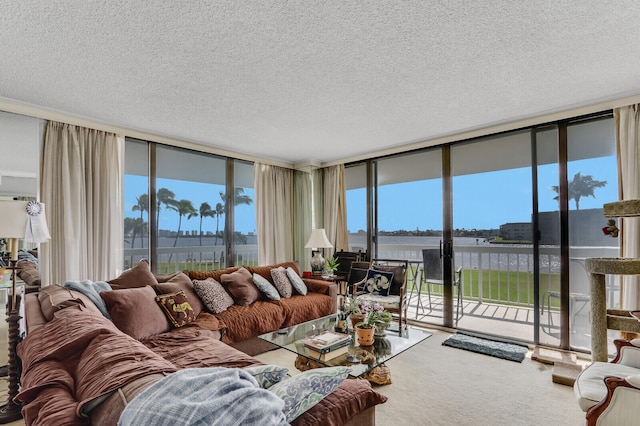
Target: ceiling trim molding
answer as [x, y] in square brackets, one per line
[9, 105]
[495, 128]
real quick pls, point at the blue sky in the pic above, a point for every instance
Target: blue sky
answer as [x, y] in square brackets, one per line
[481, 201]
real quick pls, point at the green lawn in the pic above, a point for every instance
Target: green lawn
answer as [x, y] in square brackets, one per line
[506, 287]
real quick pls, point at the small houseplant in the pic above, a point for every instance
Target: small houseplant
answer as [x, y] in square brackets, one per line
[330, 266]
[375, 318]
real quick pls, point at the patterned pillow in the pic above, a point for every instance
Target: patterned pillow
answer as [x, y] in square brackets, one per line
[378, 282]
[281, 281]
[267, 375]
[177, 308]
[305, 390]
[214, 297]
[266, 287]
[296, 281]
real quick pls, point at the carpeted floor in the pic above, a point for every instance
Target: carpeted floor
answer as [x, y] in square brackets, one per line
[438, 385]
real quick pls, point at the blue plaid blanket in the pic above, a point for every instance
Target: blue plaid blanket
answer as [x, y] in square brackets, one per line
[205, 396]
[92, 290]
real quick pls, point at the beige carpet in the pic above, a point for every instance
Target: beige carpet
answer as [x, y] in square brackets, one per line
[439, 385]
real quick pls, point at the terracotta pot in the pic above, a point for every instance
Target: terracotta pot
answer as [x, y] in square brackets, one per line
[356, 318]
[365, 336]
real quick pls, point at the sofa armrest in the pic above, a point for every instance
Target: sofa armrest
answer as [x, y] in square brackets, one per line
[619, 408]
[627, 352]
[324, 287]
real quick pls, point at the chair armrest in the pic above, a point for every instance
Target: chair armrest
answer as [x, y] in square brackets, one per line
[621, 408]
[627, 352]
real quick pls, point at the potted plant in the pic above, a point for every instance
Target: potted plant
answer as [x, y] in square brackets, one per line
[351, 307]
[374, 316]
[330, 266]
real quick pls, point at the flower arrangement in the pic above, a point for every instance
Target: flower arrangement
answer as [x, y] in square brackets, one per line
[374, 313]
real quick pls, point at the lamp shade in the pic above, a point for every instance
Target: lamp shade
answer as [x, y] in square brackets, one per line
[23, 220]
[318, 239]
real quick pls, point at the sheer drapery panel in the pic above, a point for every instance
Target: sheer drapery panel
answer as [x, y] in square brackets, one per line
[274, 213]
[628, 143]
[82, 187]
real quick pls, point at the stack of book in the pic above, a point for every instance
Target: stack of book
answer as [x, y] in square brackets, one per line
[327, 345]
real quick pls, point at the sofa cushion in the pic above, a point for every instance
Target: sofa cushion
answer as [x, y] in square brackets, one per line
[135, 311]
[245, 322]
[177, 308]
[296, 281]
[589, 387]
[52, 298]
[298, 309]
[265, 287]
[304, 390]
[176, 282]
[214, 297]
[240, 285]
[138, 276]
[216, 274]
[267, 375]
[281, 281]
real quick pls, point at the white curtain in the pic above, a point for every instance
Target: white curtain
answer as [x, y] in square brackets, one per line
[82, 187]
[301, 217]
[627, 121]
[274, 217]
[335, 207]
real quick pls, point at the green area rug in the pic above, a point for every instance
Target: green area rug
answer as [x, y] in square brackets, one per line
[510, 351]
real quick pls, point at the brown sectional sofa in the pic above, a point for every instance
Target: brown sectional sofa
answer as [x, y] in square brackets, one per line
[245, 323]
[80, 368]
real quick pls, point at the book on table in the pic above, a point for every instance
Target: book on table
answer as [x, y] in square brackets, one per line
[327, 341]
[328, 355]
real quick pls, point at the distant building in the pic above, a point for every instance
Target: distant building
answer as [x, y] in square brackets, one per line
[516, 231]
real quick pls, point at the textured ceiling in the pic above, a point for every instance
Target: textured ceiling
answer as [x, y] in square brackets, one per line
[319, 81]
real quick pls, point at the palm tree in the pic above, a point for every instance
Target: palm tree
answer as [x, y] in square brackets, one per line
[205, 211]
[142, 206]
[184, 208]
[166, 197]
[218, 212]
[580, 186]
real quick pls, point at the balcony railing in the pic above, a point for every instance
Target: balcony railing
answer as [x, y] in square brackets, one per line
[501, 274]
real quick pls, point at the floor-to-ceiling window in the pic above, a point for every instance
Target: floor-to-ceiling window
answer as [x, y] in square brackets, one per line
[356, 195]
[492, 234]
[497, 198]
[191, 207]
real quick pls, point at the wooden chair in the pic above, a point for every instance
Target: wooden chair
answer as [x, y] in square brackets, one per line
[396, 301]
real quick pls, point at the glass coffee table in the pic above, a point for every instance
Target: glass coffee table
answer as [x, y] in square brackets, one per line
[365, 361]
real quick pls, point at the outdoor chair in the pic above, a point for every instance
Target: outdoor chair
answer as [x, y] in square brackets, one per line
[432, 275]
[386, 284]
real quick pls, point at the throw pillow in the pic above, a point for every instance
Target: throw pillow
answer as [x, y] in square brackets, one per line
[296, 281]
[266, 287]
[240, 285]
[399, 274]
[306, 389]
[281, 281]
[267, 375]
[177, 308]
[214, 297]
[54, 297]
[135, 312]
[378, 282]
[179, 281]
[138, 276]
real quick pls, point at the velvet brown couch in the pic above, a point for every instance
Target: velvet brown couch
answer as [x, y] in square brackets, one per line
[80, 368]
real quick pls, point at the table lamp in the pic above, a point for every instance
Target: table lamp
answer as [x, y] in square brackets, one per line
[318, 240]
[19, 220]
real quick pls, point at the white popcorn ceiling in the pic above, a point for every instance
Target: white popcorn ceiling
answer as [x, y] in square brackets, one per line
[301, 81]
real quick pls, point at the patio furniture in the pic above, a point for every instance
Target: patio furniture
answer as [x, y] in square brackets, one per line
[432, 275]
[574, 298]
